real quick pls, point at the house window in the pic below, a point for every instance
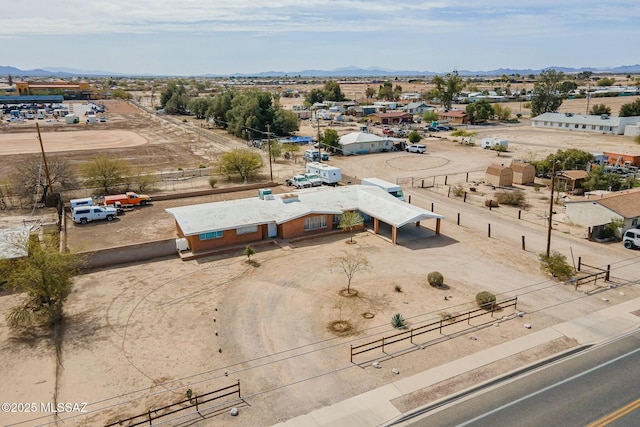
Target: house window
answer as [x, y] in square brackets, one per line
[566, 125]
[634, 222]
[601, 128]
[211, 235]
[247, 230]
[315, 222]
[584, 126]
[559, 125]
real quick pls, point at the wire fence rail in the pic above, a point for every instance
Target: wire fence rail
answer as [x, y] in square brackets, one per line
[431, 327]
[195, 402]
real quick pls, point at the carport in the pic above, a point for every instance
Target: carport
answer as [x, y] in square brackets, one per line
[396, 214]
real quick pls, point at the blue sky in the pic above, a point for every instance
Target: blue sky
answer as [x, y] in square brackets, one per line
[187, 37]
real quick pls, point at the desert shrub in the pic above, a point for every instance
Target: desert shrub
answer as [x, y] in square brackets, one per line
[490, 203]
[397, 288]
[462, 133]
[397, 321]
[435, 278]
[485, 299]
[202, 166]
[556, 265]
[458, 190]
[213, 181]
[414, 137]
[512, 198]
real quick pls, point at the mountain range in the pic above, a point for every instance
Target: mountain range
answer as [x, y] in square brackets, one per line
[338, 72]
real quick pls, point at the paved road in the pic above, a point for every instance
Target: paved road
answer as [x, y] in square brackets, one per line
[596, 387]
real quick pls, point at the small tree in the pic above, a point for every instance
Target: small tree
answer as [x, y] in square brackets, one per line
[485, 299]
[330, 139]
[436, 279]
[249, 252]
[105, 172]
[213, 181]
[349, 221]
[351, 263]
[414, 137]
[45, 276]
[241, 161]
[599, 109]
[556, 265]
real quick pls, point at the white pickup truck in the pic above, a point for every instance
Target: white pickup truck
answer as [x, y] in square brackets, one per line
[84, 214]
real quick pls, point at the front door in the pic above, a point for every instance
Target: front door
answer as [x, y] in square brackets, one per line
[272, 229]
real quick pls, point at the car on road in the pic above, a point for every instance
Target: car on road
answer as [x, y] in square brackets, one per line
[443, 128]
[416, 148]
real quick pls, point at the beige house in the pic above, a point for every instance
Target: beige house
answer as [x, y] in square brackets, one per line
[523, 173]
[499, 176]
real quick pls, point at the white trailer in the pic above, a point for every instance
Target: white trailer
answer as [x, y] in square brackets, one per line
[394, 189]
[492, 143]
[330, 175]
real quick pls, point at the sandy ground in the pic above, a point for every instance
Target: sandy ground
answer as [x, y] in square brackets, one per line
[69, 141]
[138, 336]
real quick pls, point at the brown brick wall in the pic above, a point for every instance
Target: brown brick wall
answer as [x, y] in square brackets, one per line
[229, 238]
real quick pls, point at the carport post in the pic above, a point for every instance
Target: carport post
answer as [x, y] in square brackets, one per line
[467, 178]
[465, 197]
[579, 262]
[409, 198]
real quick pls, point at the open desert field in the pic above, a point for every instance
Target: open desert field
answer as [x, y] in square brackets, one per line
[138, 336]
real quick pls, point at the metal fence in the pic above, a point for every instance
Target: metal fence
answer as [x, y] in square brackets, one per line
[431, 327]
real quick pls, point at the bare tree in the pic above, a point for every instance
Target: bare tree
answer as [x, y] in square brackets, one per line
[351, 263]
[29, 178]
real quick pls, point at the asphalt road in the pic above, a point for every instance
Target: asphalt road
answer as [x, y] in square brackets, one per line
[596, 387]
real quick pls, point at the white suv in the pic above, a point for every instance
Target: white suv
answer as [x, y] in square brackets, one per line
[631, 238]
[416, 148]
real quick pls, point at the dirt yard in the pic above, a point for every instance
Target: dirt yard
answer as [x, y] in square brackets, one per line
[138, 336]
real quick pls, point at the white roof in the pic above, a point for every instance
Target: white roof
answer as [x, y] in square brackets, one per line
[227, 215]
[578, 119]
[360, 137]
[14, 242]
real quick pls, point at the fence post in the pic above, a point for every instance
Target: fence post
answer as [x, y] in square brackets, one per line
[411, 337]
[492, 309]
[440, 326]
[488, 230]
[409, 198]
[524, 248]
[519, 213]
[239, 395]
[150, 419]
[197, 409]
[465, 197]
[383, 344]
[422, 186]
[445, 179]
[467, 178]
[458, 218]
[351, 351]
[469, 318]
[606, 276]
[449, 192]
[579, 262]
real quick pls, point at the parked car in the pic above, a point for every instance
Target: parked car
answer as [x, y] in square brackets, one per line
[325, 157]
[443, 128]
[298, 181]
[431, 129]
[103, 119]
[631, 238]
[416, 148]
[314, 179]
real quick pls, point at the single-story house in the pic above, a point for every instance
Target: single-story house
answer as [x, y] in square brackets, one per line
[364, 143]
[523, 173]
[585, 123]
[391, 118]
[571, 180]
[309, 212]
[417, 108]
[595, 212]
[499, 176]
[453, 116]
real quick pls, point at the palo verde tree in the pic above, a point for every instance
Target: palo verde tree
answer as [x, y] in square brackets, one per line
[547, 94]
[241, 161]
[631, 109]
[448, 88]
[44, 277]
[105, 172]
[350, 263]
[599, 109]
[349, 221]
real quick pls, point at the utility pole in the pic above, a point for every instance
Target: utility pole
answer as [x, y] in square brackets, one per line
[44, 160]
[553, 180]
[269, 154]
[319, 143]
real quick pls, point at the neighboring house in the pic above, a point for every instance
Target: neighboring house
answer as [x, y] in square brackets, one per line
[214, 226]
[620, 158]
[364, 143]
[391, 118]
[499, 176]
[523, 173]
[417, 108]
[585, 123]
[571, 180]
[595, 212]
[453, 116]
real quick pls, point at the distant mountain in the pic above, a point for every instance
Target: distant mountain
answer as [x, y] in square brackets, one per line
[345, 72]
